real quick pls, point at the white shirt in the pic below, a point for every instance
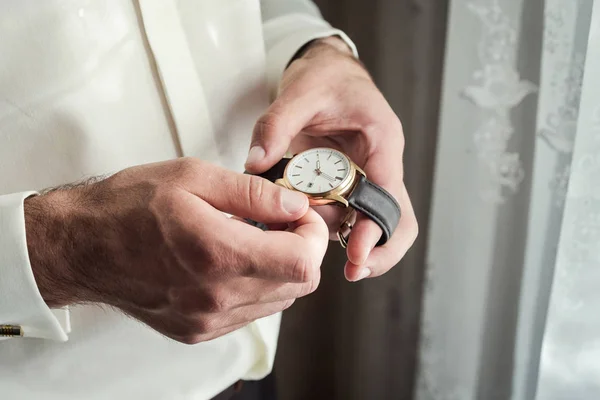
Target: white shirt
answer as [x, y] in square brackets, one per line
[92, 87]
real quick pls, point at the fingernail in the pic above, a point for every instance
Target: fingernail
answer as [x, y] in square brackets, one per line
[292, 201]
[363, 274]
[255, 154]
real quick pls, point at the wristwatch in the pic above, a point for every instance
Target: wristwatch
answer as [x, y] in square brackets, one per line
[328, 176]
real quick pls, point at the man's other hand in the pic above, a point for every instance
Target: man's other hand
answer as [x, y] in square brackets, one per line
[328, 99]
[153, 241]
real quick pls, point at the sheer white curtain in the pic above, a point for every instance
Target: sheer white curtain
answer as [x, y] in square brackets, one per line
[512, 301]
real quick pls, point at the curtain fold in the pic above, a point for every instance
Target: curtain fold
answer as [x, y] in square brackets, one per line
[564, 47]
[570, 358]
[514, 237]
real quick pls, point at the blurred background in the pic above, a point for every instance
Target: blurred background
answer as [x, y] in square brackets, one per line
[498, 298]
[360, 341]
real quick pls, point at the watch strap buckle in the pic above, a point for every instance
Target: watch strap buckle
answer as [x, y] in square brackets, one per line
[345, 228]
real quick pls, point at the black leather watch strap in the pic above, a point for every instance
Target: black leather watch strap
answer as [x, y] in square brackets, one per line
[276, 171]
[367, 197]
[376, 203]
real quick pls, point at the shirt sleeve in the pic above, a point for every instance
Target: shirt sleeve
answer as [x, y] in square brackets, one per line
[287, 26]
[21, 304]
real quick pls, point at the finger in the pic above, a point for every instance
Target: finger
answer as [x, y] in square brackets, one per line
[383, 258]
[222, 332]
[384, 169]
[333, 216]
[252, 291]
[274, 292]
[253, 312]
[240, 292]
[236, 248]
[365, 235]
[284, 256]
[207, 326]
[195, 338]
[245, 195]
[275, 129]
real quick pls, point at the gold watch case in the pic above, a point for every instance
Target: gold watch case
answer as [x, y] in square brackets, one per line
[336, 196]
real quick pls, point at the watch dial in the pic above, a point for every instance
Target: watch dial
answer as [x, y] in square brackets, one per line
[318, 170]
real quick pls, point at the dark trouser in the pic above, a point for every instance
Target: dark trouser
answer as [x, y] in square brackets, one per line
[250, 390]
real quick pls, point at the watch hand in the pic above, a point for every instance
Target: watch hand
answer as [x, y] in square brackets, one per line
[311, 183]
[318, 164]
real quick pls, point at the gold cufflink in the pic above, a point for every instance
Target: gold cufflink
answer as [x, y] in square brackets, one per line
[10, 331]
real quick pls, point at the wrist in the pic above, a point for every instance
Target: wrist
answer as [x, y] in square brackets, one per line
[332, 43]
[47, 238]
[319, 46]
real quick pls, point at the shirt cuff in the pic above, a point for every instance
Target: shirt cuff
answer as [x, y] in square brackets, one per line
[265, 332]
[292, 32]
[21, 303]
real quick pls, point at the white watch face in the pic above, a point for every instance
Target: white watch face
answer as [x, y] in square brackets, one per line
[318, 170]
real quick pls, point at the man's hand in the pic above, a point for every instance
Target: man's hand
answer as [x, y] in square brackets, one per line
[327, 98]
[152, 241]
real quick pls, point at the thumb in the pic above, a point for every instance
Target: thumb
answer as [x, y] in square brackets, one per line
[253, 197]
[275, 130]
